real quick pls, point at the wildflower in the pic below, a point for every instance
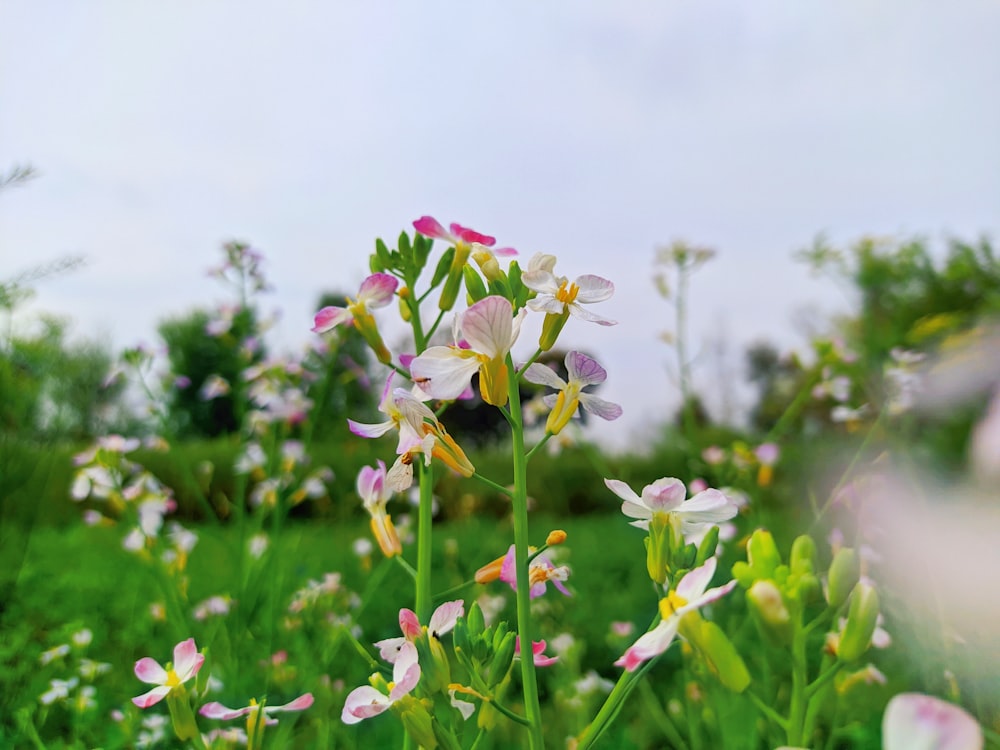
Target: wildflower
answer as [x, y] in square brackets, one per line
[374, 494]
[214, 387]
[913, 721]
[465, 241]
[442, 621]
[366, 701]
[58, 690]
[537, 653]
[459, 235]
[582, 371]
[376, 291]
[215, 710]
[767, 456]
[56, 652]
[558, 298]
[666, 496]
[187, 662]
[689, 595]
[540, 571]
[490, 327]
[214, 605]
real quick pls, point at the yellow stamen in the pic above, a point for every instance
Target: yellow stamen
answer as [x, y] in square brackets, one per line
[670, 604]
[567, 292]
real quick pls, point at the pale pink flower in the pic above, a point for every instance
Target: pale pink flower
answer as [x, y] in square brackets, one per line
[376, 291]
[913, 721]
[537, 653]
[557, 294]
[215, 710]
[689, 595]
[187, 662]
[431, 227]
[365, 701]
[442, 621]
[582, 372]
[490, 328]
[540, 572]
[667, 495]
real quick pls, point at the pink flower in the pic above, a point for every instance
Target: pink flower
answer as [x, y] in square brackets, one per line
[215, 710]
[540, 571]
[537, 653]
[689, 595]
[376, 291]
[913, 721]
[443, 619]
[582, 371]
[187, 662]
[365, 701]
[667, 495]
[430, 227]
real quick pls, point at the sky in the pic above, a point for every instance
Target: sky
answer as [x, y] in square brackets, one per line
[594, 131]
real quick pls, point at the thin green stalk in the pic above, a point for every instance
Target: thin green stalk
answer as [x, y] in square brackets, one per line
[797, 710]
[529, 363]
[401, 562]
[490, 483]
[434, 327]
[769, 712]
[519, 500]
[538, 445]
[424, 599]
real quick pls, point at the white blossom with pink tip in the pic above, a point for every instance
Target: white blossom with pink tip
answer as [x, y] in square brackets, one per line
[187, 662]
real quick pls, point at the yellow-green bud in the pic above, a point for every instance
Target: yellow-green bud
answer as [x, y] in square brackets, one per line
[762, 553]
[844, 573]
[552, 326]
[416, 721]
[772, 615]
[717, 650]
[862, 618]
[803, 558]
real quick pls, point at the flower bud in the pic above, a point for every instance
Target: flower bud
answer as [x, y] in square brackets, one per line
[552, 326]
[474, 285]
[503, 657]
[803, 558]
[404, 304]
[555, 537]
[416, 721]
[449, 292]
[762, 553]
[717, 650]
[772, 614]
[862, 618]
[658, 547]
[842, 576]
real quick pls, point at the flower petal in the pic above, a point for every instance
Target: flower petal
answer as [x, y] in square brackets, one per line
[409, 624]
[664, 494]
[363, 703]
[599, 407]
[153, 697]
[149, 671]
[488, 324]
[428, 226]
[544, 375]
[329, 318]
[369, 430]
[650, 644]
[187, 660]
[708, 506]
[593, 289]
[914, 720]
[541, 281]
[546, 304]
[590, 317]
[377, 290]
[584, 370]
[388, 648]
[445, 617]
[216, 710]
[693, 585]
[299, 704]
[444, 372]
[470, 236]
[405, 672]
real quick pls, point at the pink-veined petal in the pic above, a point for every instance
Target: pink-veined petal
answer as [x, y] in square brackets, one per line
[377, 290]
[515, 326]
[913, 721]
[428, 226]
[216, 710]
[369, 430]
[599, 407]
[585, 370]
[650, 644]
[445, 617]
[593, 289]
[488, 325]
[329, 318]
[371, 481]
[363, 703]
[584, 314]
[149, 671]
[708, 597]
[187, 660]
[299, 704]
[544, 375]
[443, 372]
[153, 697]
[504, 252]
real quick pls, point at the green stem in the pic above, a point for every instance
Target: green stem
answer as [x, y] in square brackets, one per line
[821, 681]
[490, 483]
[423, 592]
[449, 593]
[405, 566]
[769, 712]
[797, 710]
[519, 501]
[437, 322]
[510, 714]
[538, 445]
[529, 363]
[612, 705]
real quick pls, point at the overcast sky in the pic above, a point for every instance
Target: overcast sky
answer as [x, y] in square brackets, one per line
[593, 131]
